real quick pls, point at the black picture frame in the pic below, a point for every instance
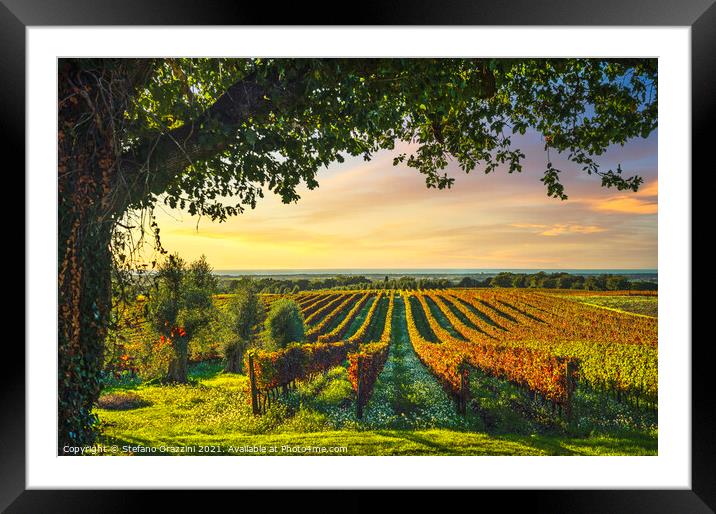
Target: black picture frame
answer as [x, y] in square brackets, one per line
[700, 15]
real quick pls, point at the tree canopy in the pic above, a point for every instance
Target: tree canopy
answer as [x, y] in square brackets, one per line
[197, 132]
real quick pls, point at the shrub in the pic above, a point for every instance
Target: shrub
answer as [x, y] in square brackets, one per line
[284, 324]
[245, 311]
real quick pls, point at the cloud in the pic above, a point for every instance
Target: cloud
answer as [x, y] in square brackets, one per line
[371, 214]
[627, 204]
[558, 229]
[528, 225]
[649, 189]
[644, 201]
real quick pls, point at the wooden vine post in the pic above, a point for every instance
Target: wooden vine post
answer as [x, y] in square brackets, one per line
[464, 389]
[571, 371]
[252, 384]
[359, 392]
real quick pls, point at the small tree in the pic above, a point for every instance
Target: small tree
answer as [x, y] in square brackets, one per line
[284, 324]
[181, 305]
[245, 311]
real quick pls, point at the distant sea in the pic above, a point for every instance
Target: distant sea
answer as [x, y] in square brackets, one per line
[425, 271]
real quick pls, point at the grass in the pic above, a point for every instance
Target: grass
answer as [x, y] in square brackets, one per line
[643, 305]
[458, 313]
[358, 320]
[377, 322]
[406, 395]
[441, 318]
[391, 442]
[480, 313]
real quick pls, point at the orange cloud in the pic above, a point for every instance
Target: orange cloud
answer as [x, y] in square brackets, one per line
[650, 189]
[529, 225]
[559, 229]
[643, 201]
[627, 204]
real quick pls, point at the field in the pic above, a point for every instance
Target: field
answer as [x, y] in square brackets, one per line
[441, 372]
[646, 305]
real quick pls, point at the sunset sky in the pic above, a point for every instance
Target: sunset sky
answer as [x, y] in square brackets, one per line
[374, 215]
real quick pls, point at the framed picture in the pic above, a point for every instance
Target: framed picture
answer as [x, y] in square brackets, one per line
[437, 264]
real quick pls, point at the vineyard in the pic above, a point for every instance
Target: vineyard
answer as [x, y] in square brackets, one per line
[428, 358]
[543, 344]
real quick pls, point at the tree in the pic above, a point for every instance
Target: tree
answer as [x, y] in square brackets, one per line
[191, 133]
[550, 282]
[567, 281]
[467, 282]
[537, 279]
[284, 324]
[165, 303]
[180, 306]
[643, 285]
[519, 280]
[245, 312]
[503, 279]
[617, 283]
[592, 283]
[578, 282]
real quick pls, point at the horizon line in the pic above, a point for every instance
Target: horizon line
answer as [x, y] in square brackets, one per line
[436, 268]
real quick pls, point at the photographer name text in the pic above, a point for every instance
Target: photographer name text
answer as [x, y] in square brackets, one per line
[201, 450]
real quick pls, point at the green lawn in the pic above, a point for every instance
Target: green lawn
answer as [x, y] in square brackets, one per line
[385, 442]
[215, 412]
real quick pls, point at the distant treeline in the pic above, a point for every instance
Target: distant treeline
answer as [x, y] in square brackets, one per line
[605, 282]
[295, 285]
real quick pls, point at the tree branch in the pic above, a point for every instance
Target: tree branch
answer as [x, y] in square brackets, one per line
[160, 159]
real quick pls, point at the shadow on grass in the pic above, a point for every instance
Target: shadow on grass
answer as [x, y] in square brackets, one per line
[205, 370]
[521, 311]
[419, 439]
[121, 401]
[442, 320]
[483, 316]
[500, 312]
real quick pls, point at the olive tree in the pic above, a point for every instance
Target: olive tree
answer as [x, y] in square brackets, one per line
[245, 311]
[180, 305]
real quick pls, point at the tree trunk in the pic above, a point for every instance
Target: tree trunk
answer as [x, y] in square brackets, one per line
[85, 158]
[96, 184]
[178, 365]
[234, 358]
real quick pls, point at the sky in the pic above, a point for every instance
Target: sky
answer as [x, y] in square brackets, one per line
[376, 215]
